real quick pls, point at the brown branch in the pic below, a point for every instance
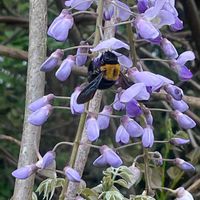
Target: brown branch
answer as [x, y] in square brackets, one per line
[13, 52]
[14, 20]
[9, 138]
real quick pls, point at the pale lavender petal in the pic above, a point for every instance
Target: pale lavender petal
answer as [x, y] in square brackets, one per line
[108, 11]
[40, 116]
[179, 141]
[92, 129]
[185, 166]
[133, 109]
[174, 91]
[137, 91]
[43, 101]
[122, 135]
[183, 120]
[178, 105]
[72, 174]
[117, 105]
[111, 43]
[148, 137]
[149, 118]
[100, 161]
[112, 158]
[165, 80]
[80, 58]
[124, 11]
[169, 49]
[123, 60]
[74, 106]
[65, 68]
[185, 56]
[164, 18]
[46, 160]
[132, 127]
[68, 3]
[146, 29]
[52, 61]
[178, 25]
[104, 117]
[184, 73]
[183, 194]
[80, 4]
[24, 172]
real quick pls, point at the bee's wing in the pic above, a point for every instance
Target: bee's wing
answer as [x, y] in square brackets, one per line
[88, 92]
[125, 83]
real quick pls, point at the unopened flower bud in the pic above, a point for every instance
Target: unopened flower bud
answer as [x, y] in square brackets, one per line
[183, 120]
[174, 91]
[185, 166]
[108, 156]
[136, 173]
[148, 137]
[72, 174]
[92, 128]
[108, 10]
[157, 158]
[80, 57]
[169, 49]
[25, 172]
[52, 61]
[40, 116]
[43, 101]
[179, 141]
[65, 68]
[46, 160]
[182, 194]
[104, 117]
[117, 105]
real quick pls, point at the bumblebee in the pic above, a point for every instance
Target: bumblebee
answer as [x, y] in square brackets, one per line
[103, 72]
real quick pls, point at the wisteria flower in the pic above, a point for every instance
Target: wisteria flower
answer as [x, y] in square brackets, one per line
[72, 174]
[61, 25]
[132, 127]
[183, 120]
[133, 108]
[168, 49]
[81, 54]
[92, 128]
[148, 137]
[117, 105]
[185, 166]
[79, 4]
[104, 117]
[40, 116]
[65, 68]
[122, 135]
[74, 106]
[182, 194]
[25, 172]
[52, 61]
[137, 91]
[108, 156]
[179, 65]
[174, 91]
[178, 141]
[46, 160]
[43, 101]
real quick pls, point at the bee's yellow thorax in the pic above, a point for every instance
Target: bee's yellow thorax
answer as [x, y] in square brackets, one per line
[111, 71]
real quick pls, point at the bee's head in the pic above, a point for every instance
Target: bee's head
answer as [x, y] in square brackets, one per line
[109, 58]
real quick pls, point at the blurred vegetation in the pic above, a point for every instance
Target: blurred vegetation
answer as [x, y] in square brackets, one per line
[61, 125]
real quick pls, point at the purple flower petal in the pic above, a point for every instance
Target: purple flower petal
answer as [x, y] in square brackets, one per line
[149, 118]
[184, 73]
[174, 91]
[46, 160]
[183, 194]
[79, 4]
[111, 43]
[40, 116]
[104, 117]
[108, 10]
[142, 5]
[137, 91]
[178, 25]
[74, 106]
[123, 10]
[133, 108]
[178, 141]
[185, 166]
[65, 68]
[24, 172]
[183, 120]
[43, 101]
[146, 29]
[169, 49]
[132, 127]
[122, 135]
[148, 137]
[80, 58]
[117, 105]
[72, 174]
[123, 60]
[185, 56]
[100, 161]
[52, 61]
[92, 129]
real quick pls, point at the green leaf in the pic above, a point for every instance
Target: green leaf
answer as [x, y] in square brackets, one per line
[113, 195]
[122, 182]
[89, 194]
[141, 197]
